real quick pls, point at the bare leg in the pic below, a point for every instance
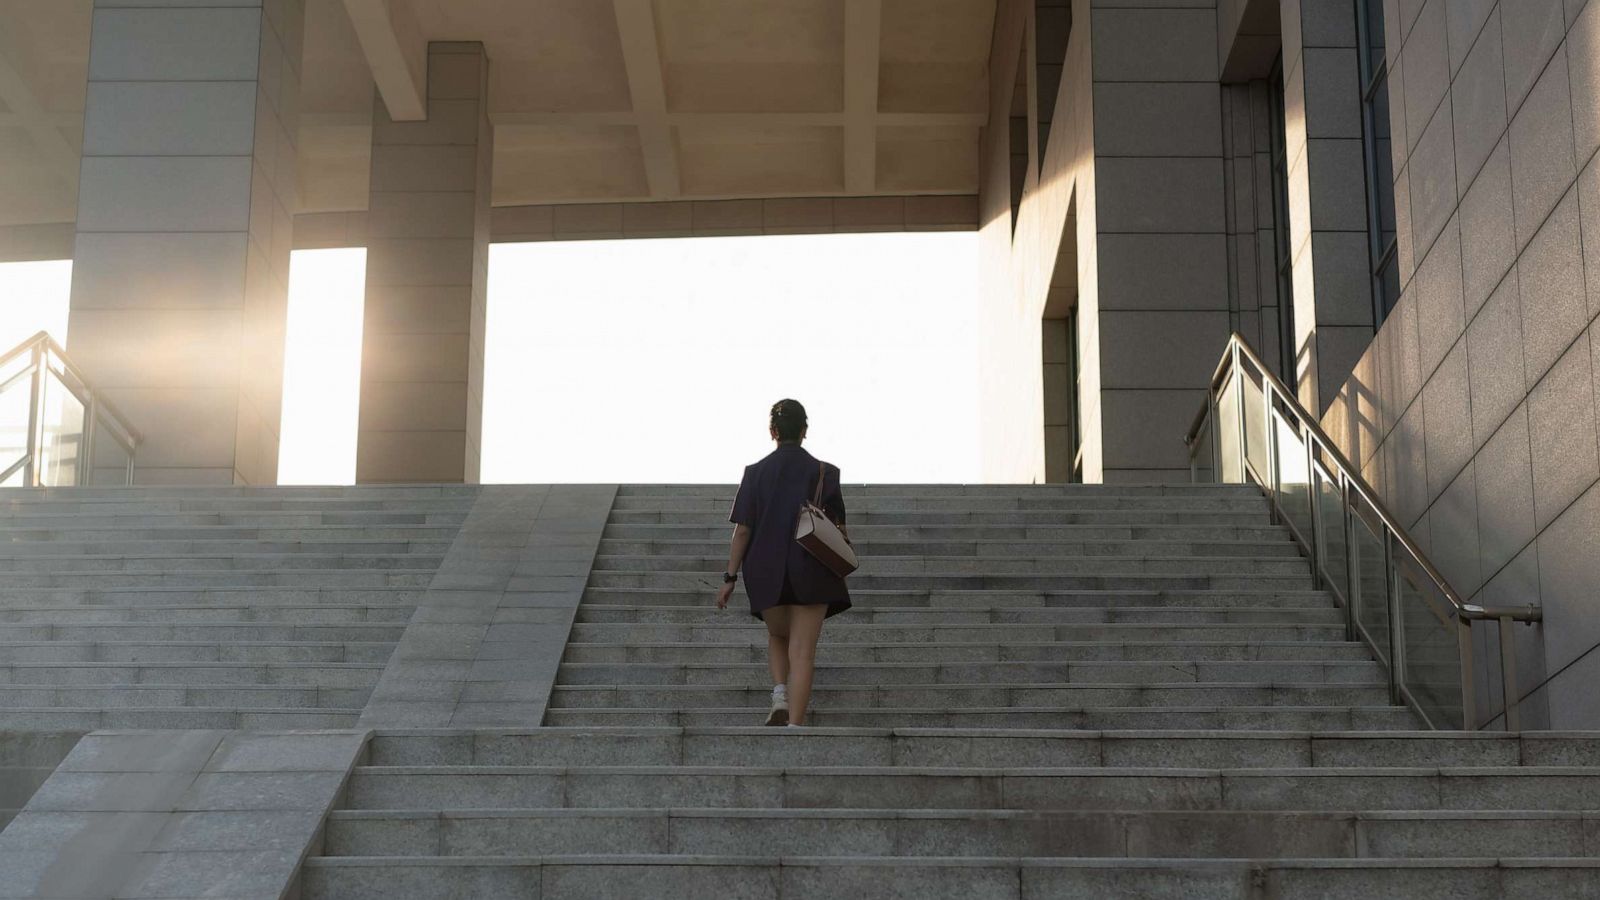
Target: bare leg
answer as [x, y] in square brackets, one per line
[805, 626]
[777, 619]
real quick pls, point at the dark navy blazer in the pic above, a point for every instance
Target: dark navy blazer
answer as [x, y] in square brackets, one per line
[769, 501]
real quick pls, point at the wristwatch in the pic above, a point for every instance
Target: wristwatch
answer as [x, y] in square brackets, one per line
[729, 578]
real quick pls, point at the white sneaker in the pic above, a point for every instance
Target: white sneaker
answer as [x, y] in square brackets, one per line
[779, 714]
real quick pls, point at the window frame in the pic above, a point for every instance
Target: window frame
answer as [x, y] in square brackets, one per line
[1373, 73]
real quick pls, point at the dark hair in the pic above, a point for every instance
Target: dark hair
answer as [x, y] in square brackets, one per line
[788, 419]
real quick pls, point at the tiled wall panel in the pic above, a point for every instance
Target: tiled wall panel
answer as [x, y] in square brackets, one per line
[1488, 372]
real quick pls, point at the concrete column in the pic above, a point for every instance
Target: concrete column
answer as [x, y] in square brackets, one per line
[1327, 209]
[181, 266]
[427, 276]
[1159, 301]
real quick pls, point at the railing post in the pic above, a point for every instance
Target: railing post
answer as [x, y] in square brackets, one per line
[30, 470]
[1352, 559]
[1508, 672]
[1238, 393]
[1469, 679]
[1397, 647]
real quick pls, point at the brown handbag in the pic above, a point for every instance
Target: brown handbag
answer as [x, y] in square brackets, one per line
[820, 537]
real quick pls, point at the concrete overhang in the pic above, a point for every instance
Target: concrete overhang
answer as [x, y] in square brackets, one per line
[593, 101]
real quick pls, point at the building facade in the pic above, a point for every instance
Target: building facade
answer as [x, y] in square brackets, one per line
[1396, 202]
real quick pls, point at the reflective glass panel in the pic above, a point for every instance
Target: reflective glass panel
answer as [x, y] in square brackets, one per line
[1432, 644]
[1372, 607]
[1294, 481]
[110, 459]
[1228, 435]
[1335, 554]
[62, 432]
[1255, 429]
[1200, 458]
[14, 402]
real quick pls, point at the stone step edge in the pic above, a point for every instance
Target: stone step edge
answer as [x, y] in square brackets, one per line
[936, 645]
[962, 710]
[1139, 863]
[1021, 686]
[921, 771]
[851, 812]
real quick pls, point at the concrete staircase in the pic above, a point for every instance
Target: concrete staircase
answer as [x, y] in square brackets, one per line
[1042, 692]
[195, 607]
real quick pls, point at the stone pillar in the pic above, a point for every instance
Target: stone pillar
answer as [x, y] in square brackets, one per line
[1327, 208]
[427, 277]
[1158, 302]
[181, 267]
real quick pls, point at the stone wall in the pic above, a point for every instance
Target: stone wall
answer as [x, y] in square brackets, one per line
[1474, 410]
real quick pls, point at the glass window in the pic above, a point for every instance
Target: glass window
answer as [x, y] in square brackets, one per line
[1284, 253]
[1379, 159]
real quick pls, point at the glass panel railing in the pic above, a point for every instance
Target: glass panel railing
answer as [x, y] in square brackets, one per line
[1432, 645]
[61, 433]
[1228, 433]
[47, 438]
[1256, 450]
[1417, 626]
[15, 400]
[1372, 588]
[1202, 464]
[1293, 481]
[110, 461]
[1334, 554]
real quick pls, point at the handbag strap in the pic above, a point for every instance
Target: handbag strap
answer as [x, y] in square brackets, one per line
[822, 474]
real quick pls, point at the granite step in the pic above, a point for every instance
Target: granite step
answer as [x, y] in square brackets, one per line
[984, 549]
[1065, 833]
[1230, 718]
[754, 635]
[228, 718]
[187, 651]
[167, 563]
[828, 878]
[1089, 672]
[879, 566]
[994, 694]
[186, 629]
[979, 748]
[866, 580]
[385, 620]
[1254, 532]
[951, 652]
[1082, 616]
[962, 505]
[1330, 788]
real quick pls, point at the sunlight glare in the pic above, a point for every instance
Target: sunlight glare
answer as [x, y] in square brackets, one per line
[322, 367]
[34, 297]
[657, 360]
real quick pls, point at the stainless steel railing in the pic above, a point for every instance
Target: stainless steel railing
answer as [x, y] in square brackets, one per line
[55, 428]
[1252, 428]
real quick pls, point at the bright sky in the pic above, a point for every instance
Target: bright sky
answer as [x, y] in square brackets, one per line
[658, 360]
[33, 298]
[653, 360]
[322, 367]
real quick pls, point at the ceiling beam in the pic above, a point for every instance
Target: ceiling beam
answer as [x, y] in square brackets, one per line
[56, 153]
[737, 119]
[641, 54]
[863, 25]
[391, 39]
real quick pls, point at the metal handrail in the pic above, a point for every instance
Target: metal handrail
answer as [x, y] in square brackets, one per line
[1347, 477]
[47, 358]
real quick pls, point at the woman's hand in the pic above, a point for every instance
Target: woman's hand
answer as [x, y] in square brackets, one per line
[723, 593]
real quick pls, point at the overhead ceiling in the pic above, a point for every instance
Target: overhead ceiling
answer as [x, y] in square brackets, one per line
[592, 100]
